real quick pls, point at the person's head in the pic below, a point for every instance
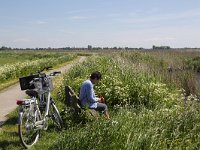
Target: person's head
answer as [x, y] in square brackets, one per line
[95, 77]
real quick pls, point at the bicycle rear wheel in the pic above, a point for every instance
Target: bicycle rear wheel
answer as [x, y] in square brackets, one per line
[55, 115]
[26, 129]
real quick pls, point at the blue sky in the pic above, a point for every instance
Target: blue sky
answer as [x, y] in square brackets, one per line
[132, 23]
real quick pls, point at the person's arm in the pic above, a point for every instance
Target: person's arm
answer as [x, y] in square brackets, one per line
[90, 94]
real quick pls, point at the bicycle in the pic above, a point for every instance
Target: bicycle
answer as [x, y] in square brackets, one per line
[35, 111]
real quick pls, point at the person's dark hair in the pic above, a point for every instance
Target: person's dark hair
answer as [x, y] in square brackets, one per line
[96, 75]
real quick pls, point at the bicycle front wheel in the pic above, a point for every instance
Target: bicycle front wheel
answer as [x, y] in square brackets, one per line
[26, 129]
[55, 116]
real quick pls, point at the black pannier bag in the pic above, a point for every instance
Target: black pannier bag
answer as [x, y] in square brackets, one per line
[25, 82]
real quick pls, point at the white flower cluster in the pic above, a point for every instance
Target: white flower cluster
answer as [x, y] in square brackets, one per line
[12, 71]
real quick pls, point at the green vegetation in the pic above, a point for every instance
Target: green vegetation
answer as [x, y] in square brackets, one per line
[178, 69]
[11, 57]
[146, 114]
[20, 64]
[151, 107]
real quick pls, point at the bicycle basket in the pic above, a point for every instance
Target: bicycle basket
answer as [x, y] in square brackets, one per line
[48, 83]
[25, 82]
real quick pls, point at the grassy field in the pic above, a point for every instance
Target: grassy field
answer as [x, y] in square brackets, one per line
[11, 57]
[15, 64]
[9, 138]
[147, 113]
[151, 107]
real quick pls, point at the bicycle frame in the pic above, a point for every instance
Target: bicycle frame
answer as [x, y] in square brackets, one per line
[46, 113]
[33, 116]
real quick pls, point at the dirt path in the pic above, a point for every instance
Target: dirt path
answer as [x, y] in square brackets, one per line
[9, 96]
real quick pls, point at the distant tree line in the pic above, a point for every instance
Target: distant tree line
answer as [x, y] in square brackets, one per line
[72, 48]
[90, 47]
[161, 47]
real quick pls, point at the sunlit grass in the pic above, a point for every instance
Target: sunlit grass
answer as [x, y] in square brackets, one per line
[146, 112]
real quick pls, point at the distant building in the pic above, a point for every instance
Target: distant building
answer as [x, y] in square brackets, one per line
[89, 47]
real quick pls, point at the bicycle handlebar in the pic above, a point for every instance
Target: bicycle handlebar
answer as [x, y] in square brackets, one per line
[45, 68]
[43, 75]
[55, 73]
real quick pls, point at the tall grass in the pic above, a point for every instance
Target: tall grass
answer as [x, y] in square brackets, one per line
[175, 68]
[146, 114]
[121, 83]
[174, 128]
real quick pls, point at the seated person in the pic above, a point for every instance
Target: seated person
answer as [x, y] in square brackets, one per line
[87, 96]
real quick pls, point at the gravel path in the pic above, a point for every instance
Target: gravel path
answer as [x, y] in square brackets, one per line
[9, 96]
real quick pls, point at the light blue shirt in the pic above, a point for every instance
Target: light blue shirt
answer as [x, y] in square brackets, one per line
[87, 95]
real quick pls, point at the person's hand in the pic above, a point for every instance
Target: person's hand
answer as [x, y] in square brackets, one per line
[102, 99]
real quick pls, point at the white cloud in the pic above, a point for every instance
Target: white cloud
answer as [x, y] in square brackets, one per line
[66, 32]
[133, 18]
[78, 17]
[161, 39]
[114, 15]
[19, 40]
[79, 11]
[5, 31]
[81, 17]
[39, 22]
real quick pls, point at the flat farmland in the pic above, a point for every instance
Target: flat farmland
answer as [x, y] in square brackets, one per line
[15, 64]
[152, 96]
